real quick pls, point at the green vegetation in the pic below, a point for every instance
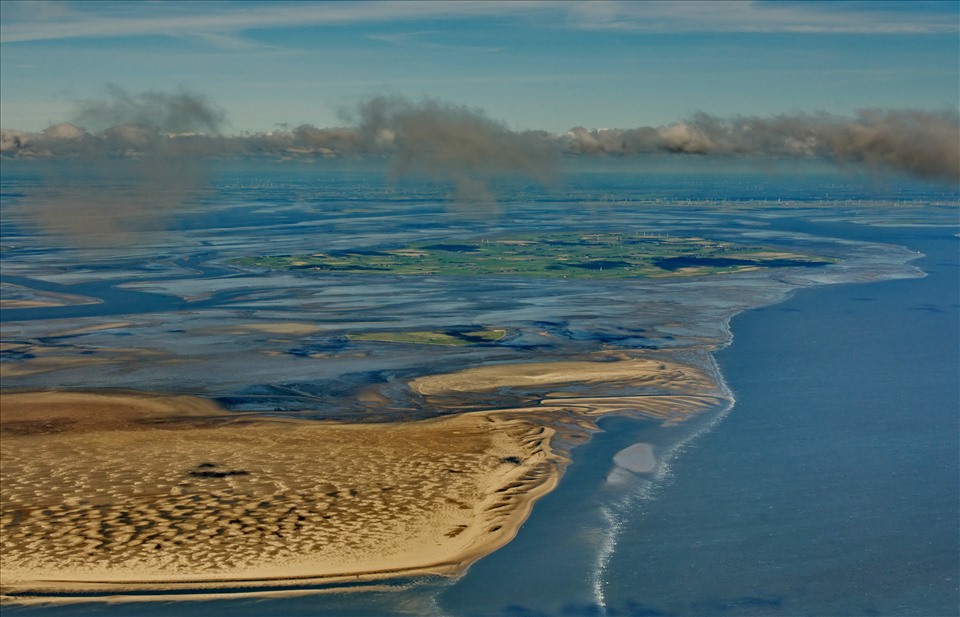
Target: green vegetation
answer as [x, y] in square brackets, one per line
[560, 255]
[449, 339]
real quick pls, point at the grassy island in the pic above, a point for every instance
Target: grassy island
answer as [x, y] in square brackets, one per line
[555, 255]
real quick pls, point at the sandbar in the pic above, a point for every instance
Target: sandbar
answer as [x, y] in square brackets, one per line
[94, 328]
[289, 328]
[35, 358]
[638, 458]
[114, 492]
[639, 372]
[658, 388]
[20, 297]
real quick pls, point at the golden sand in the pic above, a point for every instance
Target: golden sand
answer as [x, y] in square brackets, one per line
[121, 502]
[639, 372]
[129, 491]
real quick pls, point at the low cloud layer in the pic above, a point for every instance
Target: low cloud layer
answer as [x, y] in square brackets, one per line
[104, 203]
[449, 143]
[144, 162]
[137, 160]
[919, 143]
[180, 112]
[462, 146]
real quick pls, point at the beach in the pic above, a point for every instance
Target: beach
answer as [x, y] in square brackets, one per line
[186, 437]
[152, 492]
[114, 492]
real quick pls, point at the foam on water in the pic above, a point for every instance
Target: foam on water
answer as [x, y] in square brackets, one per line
[636, 490]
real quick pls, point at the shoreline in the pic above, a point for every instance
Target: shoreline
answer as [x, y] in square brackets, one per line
[580, 394]
[132, 492]
[750, 437]
[511, 468]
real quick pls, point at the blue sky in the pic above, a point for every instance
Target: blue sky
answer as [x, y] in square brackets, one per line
[534, 65]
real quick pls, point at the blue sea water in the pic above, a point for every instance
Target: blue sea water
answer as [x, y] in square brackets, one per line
[830, 488]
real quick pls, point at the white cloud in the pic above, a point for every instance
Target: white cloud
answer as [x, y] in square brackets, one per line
[426, 40]
[753, 16]
[79, 22]
[222, 22]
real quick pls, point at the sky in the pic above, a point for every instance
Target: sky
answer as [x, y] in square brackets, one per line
[532, 65]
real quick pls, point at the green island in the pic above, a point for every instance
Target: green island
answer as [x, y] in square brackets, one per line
[448, 339]
[549, 255]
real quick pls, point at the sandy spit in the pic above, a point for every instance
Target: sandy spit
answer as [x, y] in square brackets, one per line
[111, 492]
[116, 492]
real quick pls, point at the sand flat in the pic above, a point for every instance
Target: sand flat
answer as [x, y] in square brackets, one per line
[35, 366]
[17, 296]
[98, 411]
[123, 505]
[649, 372]
[287, 328]
[112, 492]
[49, 358]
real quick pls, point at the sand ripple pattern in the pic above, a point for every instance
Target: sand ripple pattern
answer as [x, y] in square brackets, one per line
[269, 499]
[125, 491]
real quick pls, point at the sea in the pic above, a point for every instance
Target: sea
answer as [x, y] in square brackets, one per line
[830, 487]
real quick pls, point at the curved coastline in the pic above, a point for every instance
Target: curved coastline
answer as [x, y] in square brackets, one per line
[144, 490]
[837, 433]
[522, 507]
[172, 494]
[614, 513]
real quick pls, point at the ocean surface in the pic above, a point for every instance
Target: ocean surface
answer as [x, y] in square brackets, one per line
[830, 488]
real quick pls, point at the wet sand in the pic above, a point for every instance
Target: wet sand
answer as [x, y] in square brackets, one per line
[36, 359]
[20, 297]
[114, 492]
[655, 388]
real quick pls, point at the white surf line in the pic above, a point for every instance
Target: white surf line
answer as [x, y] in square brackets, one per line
[618, 513]
[615, 515]
[603, 557]
[664, 470]
[431, 603]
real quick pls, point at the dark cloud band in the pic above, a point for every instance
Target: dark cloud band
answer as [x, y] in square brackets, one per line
[462, 145]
